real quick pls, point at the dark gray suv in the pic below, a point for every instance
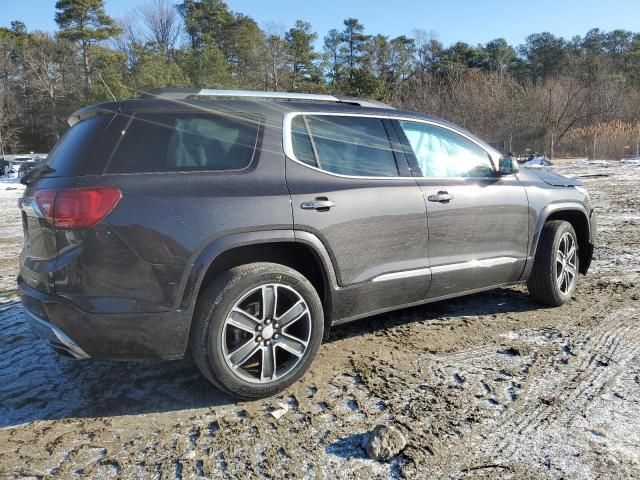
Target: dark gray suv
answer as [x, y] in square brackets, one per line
[238, 227]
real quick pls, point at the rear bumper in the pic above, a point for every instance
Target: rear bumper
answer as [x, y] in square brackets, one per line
[119, 336]
[58, 340]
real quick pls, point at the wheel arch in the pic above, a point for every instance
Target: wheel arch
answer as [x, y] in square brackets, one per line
[304, 253]
[576, 215]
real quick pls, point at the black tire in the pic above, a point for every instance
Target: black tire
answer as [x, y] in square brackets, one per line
[215, 304]
[542, 283]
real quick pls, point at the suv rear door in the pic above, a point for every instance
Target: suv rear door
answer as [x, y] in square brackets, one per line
[351, 187]
[478, 221]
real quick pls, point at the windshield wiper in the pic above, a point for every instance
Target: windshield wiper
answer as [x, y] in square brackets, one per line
[35, 173]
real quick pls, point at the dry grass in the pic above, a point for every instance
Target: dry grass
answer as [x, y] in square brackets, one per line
[614, 139]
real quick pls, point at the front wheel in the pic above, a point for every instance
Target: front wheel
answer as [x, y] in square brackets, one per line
[555, 268]
[256, 329]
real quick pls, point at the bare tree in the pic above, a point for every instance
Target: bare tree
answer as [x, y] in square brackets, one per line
[130, 39]
[47, 62]
[161, 23]
[276, 53]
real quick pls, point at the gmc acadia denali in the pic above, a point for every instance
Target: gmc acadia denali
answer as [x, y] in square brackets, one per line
[237, 227]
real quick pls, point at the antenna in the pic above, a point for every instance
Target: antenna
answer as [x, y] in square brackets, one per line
[107, 87]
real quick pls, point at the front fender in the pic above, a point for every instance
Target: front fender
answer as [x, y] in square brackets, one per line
[555, 208]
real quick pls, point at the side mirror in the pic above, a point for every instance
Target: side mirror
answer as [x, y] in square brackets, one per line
[508, 166]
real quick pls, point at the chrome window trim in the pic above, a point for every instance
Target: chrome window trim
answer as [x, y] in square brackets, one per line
[287, 143]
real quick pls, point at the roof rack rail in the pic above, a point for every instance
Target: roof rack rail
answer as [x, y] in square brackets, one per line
[185, 93]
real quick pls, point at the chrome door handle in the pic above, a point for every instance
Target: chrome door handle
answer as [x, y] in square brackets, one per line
[441, 197]
[320, 204]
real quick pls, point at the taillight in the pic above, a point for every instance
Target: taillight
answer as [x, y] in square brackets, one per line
[45, 200]
[77, 207]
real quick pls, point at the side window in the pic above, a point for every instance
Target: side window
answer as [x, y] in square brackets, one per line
[443, 153]
[185, 142]
[357, 146]
[77, 146]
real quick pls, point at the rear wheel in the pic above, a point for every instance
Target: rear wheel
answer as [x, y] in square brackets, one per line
[555, 268]
[256, 329]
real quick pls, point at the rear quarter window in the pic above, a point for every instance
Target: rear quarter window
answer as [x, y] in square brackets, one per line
[77, 147]
[186, 142]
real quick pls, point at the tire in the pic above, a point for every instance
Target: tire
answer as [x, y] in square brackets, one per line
[544, 283]
[220, 338]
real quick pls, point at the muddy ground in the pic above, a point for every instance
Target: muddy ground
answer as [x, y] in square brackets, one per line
[486, 386]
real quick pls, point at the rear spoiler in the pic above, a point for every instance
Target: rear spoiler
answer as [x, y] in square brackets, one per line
[92, 111]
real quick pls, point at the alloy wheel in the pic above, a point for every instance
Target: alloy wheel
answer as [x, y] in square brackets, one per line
[266, 333]
[566, 263]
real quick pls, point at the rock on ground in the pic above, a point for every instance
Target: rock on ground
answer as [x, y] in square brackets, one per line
[385, 442]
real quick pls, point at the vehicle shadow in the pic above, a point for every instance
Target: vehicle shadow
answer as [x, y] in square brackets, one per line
[38, 384]
[492, 302]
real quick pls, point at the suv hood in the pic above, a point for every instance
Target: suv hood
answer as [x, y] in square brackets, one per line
[554, 179]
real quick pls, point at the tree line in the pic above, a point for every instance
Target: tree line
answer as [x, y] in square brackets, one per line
[579, 96]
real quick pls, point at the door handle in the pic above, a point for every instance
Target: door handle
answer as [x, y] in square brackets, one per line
[319, 204]
[440, 197]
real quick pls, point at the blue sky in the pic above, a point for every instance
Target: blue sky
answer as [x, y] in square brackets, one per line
[472, 21]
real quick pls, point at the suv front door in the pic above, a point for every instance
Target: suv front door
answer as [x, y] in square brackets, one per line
[351, 187]
[478, 222]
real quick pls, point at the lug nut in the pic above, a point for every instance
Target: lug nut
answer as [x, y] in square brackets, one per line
[267, 321]
[275, 336]
[267, 342]
[258, 339]
[276, 325]
[259, 328]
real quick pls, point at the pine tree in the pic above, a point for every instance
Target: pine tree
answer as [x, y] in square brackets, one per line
[85, 22]
[301, 55]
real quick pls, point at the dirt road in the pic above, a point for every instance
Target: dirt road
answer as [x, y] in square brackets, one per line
[486, 386]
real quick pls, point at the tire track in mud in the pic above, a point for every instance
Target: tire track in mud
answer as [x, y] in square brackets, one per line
[466, 356]
[589, 379]
[586, 376]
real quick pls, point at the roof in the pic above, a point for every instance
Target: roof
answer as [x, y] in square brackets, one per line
[269, 104]
[190, 93]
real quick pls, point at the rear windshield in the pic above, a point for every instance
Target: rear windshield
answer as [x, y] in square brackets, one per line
[186, 142]
[77, 146]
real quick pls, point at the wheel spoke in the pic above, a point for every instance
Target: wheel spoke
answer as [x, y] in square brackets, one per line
[268, 367]
[292, 345]
[240, 355]
[269, 301]
[251, 337]
[292, 315]
[571, 254]
[243, 320]
[571, 270]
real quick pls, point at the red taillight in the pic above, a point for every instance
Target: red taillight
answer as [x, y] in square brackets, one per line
[45, 200]
[77, 207]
